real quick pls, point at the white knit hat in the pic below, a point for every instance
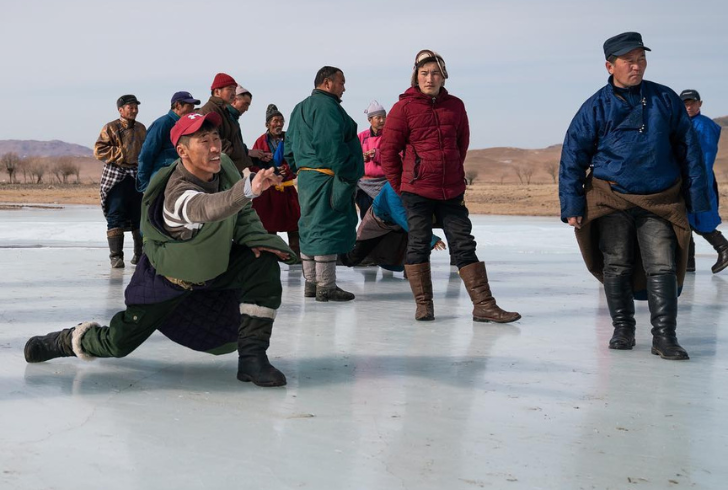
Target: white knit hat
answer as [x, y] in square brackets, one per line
[375, 109]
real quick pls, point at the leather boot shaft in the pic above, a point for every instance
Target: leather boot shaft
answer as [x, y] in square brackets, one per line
[485, 309]
[720, 244]
[253, 342]
[420, 280]
[115, 236]
[46, 347]
[620, 301]
[662, 300]
[138, 246]
[691, 255]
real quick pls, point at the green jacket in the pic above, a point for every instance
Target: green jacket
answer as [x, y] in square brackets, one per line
[321, 135]
[207, 254]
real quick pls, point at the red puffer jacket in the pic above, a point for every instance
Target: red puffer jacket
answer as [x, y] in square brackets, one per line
[424, 143]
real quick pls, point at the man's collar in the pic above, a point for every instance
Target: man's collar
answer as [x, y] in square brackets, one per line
[333, 96]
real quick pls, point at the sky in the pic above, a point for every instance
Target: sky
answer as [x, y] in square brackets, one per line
[522, 67]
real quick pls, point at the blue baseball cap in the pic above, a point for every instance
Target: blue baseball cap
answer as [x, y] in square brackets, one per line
[623, 44]
[185, 97]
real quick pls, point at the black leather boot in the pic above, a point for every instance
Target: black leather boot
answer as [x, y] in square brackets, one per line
[662, 300]
[253, 342]
[115, 236]
[333, 294]
[138, 246]
[618, 290]
[46, 347]
[691, 255]
[720, 244]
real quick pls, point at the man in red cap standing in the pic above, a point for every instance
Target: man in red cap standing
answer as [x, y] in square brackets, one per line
[209, 278]
[222, 93]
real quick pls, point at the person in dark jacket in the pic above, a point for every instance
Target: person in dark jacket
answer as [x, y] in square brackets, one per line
[222, 94]
[630, 164]
[322, 147]
[209, 278]
[157, 150]
[706, 224]
[423, 148]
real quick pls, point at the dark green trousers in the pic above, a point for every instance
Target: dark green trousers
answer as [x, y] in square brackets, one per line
[259, 282]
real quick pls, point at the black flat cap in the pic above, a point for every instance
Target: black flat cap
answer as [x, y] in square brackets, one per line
[127, 99]
[623, 44]
[690, 94]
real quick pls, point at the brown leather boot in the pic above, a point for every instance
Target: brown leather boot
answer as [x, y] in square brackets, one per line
[421, 283]
[475, 279]
[115, 236]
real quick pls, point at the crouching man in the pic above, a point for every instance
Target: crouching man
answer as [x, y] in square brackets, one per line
[209, 279]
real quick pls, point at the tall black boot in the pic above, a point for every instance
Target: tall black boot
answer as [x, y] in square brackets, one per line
[662, 300]
[116, 247]
[720, 244]
[253, 342]
[691, 255]
[46, 347]
[66, 343]
[138, 246]
[618, 290]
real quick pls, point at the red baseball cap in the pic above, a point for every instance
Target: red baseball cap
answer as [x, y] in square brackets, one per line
[191, 123]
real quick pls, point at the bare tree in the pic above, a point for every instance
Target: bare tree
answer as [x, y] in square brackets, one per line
[22, 168]
[519, 173]
[552, 168]
[527, 174]
[64, 168]
[470, 175]
[37, 169]
[10, 163]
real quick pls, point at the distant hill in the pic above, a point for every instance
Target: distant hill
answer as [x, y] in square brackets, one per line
[517, 165]
[54, 148]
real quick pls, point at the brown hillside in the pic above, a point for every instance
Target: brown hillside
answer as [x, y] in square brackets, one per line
[513, 165]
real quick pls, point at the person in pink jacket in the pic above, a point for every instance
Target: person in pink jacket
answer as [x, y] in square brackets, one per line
[374, 179]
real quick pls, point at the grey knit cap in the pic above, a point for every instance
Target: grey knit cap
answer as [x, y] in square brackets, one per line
[271, 112]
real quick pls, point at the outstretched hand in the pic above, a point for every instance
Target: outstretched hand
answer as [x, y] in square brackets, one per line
[264, 180]
[281, 255]
[440, 245]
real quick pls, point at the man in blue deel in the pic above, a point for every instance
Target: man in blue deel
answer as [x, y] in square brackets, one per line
[631, 168]
[706, 224]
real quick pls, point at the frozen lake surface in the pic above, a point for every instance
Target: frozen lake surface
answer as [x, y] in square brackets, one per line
[374, 399]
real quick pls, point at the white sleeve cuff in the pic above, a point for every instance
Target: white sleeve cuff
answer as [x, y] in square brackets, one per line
[248, 190]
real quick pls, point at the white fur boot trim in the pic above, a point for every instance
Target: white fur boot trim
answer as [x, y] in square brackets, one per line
[76, 336]
[259, 311]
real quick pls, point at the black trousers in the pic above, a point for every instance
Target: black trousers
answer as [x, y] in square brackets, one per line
[451, 215]
[620, 231]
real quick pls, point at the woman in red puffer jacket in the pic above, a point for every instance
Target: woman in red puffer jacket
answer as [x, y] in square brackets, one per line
[423, 149]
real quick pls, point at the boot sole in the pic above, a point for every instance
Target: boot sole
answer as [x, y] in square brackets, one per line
[425, 319]
[245, 378]
[494, 320]
[670, 358]
[622, 347]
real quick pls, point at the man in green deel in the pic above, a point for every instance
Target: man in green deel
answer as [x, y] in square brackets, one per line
[323, 147]
[209, 278]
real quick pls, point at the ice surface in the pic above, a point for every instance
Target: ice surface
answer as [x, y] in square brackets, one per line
[374, 399]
